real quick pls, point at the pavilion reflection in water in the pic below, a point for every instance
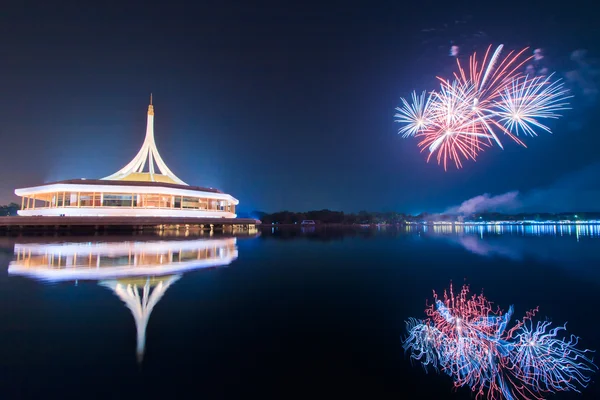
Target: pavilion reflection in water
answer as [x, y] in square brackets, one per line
[139, 272]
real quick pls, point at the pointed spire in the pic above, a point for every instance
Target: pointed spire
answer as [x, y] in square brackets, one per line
[150, 107]
[148, 153]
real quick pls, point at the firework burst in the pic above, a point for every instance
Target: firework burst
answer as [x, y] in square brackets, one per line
[468, 338]
[414, 115]
[479, 105]
[549, 363]
[525, 101]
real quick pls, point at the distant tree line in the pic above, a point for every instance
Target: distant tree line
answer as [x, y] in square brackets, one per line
[9, 210]
[365, 217]
[330, 217]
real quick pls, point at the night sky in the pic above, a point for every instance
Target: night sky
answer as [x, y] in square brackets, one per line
[284, 105]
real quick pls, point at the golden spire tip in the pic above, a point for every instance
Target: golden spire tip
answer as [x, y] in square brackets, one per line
[150, 107]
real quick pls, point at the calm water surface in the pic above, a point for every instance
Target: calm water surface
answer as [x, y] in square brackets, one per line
[286, 313]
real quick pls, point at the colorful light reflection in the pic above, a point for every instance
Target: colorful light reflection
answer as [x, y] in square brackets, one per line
[468, 338]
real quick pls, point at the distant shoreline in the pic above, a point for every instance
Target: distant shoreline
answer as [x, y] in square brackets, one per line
[365, 218]
[435, 223]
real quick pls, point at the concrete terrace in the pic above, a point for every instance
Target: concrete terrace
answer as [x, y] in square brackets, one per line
[125, 223]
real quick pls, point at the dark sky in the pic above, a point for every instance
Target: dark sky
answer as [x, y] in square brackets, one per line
[285, 105]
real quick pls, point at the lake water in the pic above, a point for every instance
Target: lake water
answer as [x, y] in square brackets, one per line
[286, 313]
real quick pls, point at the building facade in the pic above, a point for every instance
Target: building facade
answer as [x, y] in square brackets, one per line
[135, 190]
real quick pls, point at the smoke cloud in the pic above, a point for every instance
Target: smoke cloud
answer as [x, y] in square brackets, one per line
[485, 202]
[584, 77]
[577, 191]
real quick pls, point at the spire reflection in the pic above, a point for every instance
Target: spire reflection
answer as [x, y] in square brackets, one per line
[152, 290]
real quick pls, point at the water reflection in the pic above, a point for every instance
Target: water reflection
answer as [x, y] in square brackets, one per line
[152, 290]
[481, 247]
[328, 233]
[471, 339]
[572, 248]
[515, 242]
[575, 230]
[104, 260]
[138, 272]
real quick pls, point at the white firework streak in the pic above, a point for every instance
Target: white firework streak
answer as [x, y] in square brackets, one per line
[491, 65]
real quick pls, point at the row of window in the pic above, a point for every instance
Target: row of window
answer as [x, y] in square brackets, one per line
[132, 200]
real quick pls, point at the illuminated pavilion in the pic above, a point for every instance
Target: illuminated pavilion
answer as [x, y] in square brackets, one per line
[129, 192]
